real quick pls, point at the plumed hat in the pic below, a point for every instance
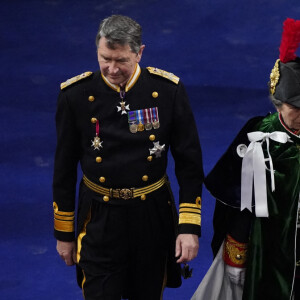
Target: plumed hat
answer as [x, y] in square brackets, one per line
[284, 82]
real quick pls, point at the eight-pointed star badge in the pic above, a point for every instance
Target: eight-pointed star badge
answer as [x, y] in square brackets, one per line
[157, 149]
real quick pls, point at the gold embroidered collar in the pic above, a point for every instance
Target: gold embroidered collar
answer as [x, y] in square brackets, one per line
[130, 83]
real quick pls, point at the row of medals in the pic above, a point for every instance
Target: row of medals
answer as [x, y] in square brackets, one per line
[134, 128]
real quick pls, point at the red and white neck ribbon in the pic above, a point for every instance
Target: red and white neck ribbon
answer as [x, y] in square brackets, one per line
[254, 171]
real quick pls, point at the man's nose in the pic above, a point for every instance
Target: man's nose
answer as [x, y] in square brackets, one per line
[113, 68]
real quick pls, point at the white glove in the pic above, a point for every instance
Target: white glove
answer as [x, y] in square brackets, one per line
[235, 275]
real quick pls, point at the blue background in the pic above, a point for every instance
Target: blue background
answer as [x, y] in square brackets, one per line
[223, 50]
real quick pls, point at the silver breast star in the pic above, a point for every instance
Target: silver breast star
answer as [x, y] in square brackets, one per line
[157, 149]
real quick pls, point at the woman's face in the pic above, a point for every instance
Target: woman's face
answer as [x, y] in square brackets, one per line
[290, 115]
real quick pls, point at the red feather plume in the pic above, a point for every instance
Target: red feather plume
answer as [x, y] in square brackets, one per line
[290, 40]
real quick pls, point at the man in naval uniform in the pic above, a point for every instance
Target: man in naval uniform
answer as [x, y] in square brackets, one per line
[257, 184]
[119, 123]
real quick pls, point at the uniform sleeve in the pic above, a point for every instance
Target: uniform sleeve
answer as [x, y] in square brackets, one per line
[65, 171]
[186, 151]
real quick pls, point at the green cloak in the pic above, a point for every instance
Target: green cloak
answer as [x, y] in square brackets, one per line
[272, 249]
[271, 259]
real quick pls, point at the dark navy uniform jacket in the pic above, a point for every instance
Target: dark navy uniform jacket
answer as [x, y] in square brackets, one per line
[124, 161]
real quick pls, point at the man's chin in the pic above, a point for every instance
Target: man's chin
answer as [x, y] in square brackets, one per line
[114, 80]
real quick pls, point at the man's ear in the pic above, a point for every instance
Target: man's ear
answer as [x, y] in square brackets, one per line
[140, 53]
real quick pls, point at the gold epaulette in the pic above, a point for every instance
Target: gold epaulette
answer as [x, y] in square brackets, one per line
[75, 79]
[164, 74]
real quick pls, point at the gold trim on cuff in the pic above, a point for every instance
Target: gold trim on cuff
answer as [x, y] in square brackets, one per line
[65, 213]
[190, 210]
[190, 218]
[189, 205]
[63, 218]
[64, 226]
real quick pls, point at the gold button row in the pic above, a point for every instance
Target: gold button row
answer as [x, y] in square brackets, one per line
[103, 179]
[92, 98]
[106, 198]
[99, 159]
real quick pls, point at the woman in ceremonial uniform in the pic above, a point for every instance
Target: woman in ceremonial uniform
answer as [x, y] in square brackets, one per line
[257, 184]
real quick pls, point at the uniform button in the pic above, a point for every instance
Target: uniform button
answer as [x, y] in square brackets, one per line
[238, 257]
[93, 120]
[155, 94]
[98, 159]
[149, 158]
[145, 178]
[198, 201]
[152, 137]
[106, 198]
[143, 197]
[102, 179]
[91, 98]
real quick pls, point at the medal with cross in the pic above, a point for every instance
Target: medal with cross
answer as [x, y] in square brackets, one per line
[97, 143]
[123, 106]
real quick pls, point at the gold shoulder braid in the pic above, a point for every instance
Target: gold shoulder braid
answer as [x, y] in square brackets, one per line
[164, 74]
[75, 79]
[274, 77]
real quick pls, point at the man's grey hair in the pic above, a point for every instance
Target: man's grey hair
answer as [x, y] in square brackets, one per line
[277, 103]
[120, 30]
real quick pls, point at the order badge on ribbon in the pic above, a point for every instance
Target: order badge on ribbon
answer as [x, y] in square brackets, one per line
[96, 142]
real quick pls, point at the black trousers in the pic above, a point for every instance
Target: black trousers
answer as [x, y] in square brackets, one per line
[124, 248]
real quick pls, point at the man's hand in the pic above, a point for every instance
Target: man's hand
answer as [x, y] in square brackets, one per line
[67, 251]
[187, 246]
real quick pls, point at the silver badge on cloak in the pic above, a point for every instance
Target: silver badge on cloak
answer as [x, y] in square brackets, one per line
[241, 150]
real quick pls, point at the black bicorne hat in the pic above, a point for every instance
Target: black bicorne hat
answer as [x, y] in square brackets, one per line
[284, 82]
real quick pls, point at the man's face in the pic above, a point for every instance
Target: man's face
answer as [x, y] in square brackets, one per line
[118, 64]
[290, 115]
